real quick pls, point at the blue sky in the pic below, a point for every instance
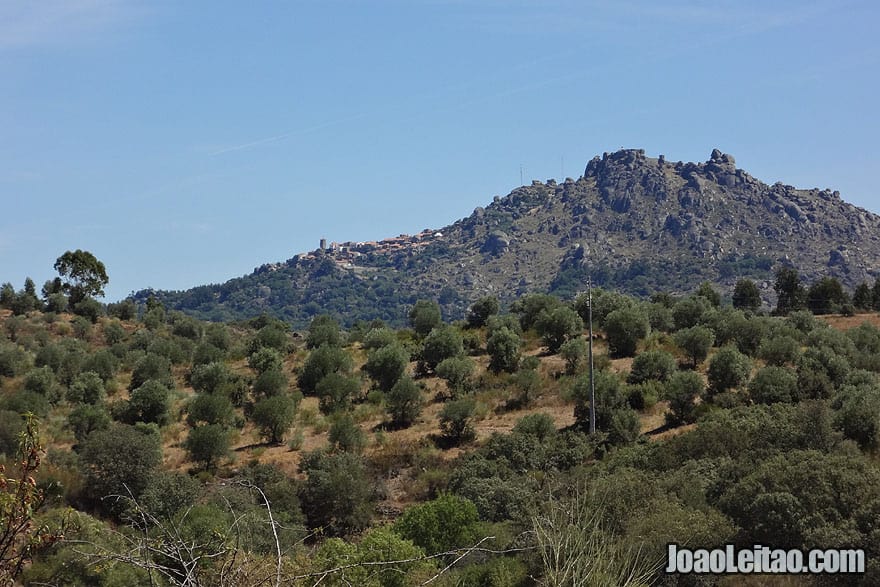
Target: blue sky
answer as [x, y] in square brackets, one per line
[186, 143]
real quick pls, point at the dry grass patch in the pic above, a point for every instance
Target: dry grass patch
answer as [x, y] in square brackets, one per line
[842, 322]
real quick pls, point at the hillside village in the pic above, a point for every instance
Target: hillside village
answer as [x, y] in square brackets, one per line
[347, 254]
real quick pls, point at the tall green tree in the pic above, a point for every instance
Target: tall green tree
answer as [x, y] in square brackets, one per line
[7, 295]
[746, 295]
[324, 329]
[654, 365]
[456, 420]
[335, 392]
[791, 294]
[149, 403]
[86, 419]
[690, 311]
[83, 274]
[440, 344]
[574, 352]
[26, 300]
[207, 408]
[345, 435]
[863, 297]
[321, 362]
[456, 371]
[682, 389]
[826, 296]
[773, 384]
[531, 307]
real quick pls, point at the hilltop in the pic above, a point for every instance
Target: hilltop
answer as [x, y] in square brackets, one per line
[631, 222]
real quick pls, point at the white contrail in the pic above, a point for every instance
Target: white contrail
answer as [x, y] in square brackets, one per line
[285, 135]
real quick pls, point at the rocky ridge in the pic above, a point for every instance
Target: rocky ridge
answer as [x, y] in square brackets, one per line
[631, 222]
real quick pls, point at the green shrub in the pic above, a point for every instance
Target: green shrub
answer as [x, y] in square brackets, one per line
[337, 496]
[441, 525]
[504, 351]
[321, 362]
[456, 420]
[695, 342]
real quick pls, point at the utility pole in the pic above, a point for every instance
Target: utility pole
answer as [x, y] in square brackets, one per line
[592, 386]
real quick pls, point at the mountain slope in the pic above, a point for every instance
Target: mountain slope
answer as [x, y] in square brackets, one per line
[631, 222]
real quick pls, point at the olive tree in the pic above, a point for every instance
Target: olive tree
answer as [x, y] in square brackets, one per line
[386, 365]
[440, 344]
[624, 328]
[456, 371]
[480, 311]
[559, 325]
[274, 416]
[504, 351]
[207, 444]
[404, 402]
[321, 362]
[682, 389]
[119, 461]
[728, 369]
[337, 496]
[652, 365]
[456, 420]
[773, 384]
[695, 342]
[425, 316]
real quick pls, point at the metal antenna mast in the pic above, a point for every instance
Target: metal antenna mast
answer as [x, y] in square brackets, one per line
[592, 386]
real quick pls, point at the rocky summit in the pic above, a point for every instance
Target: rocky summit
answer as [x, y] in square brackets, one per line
[631, 222]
